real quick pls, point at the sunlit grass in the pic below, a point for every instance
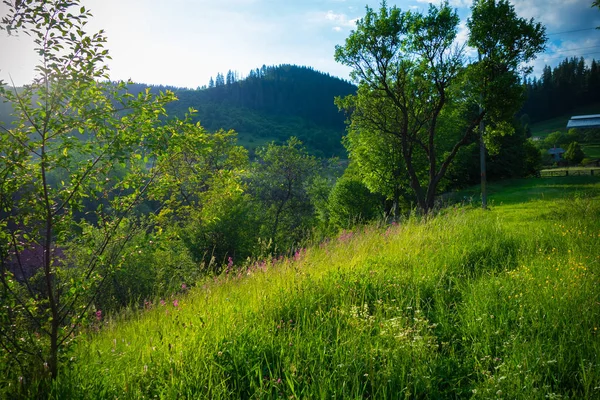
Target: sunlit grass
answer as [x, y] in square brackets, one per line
[502, 303]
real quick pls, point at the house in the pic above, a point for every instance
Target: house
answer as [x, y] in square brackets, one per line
[584, 121]
[556, 153]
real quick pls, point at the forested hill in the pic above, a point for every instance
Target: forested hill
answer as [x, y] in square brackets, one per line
[568, 86]
[272, 103]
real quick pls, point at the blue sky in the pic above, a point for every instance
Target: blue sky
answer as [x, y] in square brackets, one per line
[185, 42]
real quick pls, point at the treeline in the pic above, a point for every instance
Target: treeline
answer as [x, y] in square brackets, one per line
[271, 103]
[561, 89]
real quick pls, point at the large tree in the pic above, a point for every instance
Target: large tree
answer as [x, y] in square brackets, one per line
[415, 87]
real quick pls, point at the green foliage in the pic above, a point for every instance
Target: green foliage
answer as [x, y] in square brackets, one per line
[560, 139]
[417, 101]
[280, 180]
[570, 86]
[505, 43]
[271, 103]
[464, 304]
[574, 154]
[351, 202]
[70, 144]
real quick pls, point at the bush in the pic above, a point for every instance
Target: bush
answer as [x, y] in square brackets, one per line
[350, 202]
[574, 154]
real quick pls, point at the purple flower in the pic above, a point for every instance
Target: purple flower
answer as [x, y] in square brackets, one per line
[162, 302]
[175, 303]
[183, 286]
[229, 262]
[99, 315]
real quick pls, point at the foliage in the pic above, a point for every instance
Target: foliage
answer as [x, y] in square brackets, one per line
[415, 93]
[566, 87]
[464, 304]
[557, 139]
[574, 154]
[351, 202]
[201, 193]
[271, 103]
[73, 124]
[280, 181]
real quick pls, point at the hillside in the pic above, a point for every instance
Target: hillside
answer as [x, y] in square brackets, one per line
[468, 304]
[559, 122]
[272, 103]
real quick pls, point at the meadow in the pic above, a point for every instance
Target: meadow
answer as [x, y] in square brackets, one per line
[466, 304]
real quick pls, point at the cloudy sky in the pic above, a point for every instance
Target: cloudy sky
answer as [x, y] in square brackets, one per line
[185, 42]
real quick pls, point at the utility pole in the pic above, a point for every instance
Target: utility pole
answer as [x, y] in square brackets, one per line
[482, 155]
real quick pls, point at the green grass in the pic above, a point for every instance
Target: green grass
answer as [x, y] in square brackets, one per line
[591, 150]
[559, 123]
[467, 304]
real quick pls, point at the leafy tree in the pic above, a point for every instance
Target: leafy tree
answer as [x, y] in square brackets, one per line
[202, 195]
[412, 82]
[574, 154]
[378, 160]
[280, 181]
[73, 123]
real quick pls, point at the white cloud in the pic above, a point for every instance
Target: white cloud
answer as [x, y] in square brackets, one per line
[337, 29]
[340, 19]
[453, 3]
[559, 14]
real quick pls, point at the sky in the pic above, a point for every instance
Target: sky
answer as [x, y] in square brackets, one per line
[185, 42]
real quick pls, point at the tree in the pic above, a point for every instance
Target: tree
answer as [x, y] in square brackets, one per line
[202, 195]
[280, 180]
[220, 81]
[378, 159]
[574, 154]
[78, 139]
[412, 82]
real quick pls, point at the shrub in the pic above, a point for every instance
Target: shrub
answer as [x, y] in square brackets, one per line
[351, 202]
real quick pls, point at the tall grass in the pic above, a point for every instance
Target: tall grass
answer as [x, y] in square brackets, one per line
[500, 304]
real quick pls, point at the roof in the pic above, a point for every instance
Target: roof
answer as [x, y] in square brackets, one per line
[556, 150]
[584, 121]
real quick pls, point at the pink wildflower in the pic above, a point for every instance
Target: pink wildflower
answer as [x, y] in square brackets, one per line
[175, 303]
[99, 315]
[183, 286]
[162, 302]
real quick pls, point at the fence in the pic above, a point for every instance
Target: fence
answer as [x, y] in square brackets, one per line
[569, 172]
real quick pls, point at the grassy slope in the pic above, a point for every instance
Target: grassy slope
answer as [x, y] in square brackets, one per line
[559, 123]
[470, 303]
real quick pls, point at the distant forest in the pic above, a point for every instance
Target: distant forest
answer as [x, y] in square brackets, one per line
[274, 103]
[561, 89]
[271, 104]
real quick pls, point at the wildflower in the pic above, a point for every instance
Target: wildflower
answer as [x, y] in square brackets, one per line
[278, 380]
[183, 286]
[175, 303]
[99, 315]
[229, 262]
[162, 302]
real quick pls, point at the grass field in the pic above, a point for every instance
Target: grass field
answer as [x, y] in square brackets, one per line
[467, 304]
[591, 150]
